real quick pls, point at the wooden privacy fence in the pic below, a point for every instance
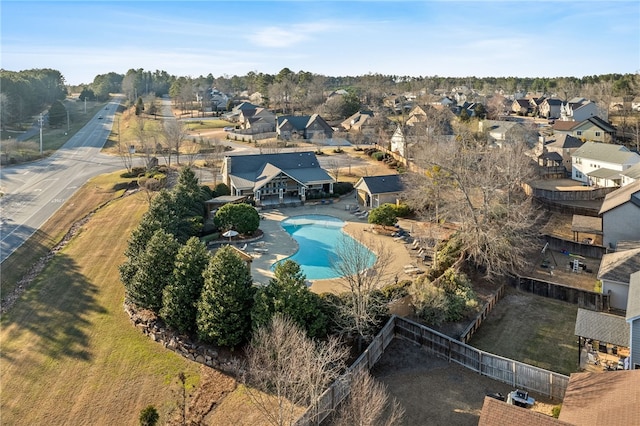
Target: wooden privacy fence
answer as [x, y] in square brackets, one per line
[591, 300]
[468, 332]
[515, 373]
[339, 390]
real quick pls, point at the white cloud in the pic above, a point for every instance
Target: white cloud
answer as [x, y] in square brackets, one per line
[274, 36]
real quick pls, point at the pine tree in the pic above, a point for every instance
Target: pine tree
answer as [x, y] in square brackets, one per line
[154, 271]
[224, 307]
[57, 114]
[180, 297]
[288, 294]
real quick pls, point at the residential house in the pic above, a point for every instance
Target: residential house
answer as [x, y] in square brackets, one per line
[592, 129]
[402, 142]
[633, 319]
[550, 108]
[632, 174]
[521, 106]
[272, 178]
[235, 112]
[534, 104]
[601, 164]
[620, 212]
[373, 191]
[578, 109]
[590, 398]
[597, 398]
[360, 122]
[501, 132]
[615, 273]
[309, 127]
[259, 120]
[635, 104]
[219, 100]
[558, 150]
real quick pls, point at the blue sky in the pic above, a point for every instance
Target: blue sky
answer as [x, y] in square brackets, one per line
[417, 38]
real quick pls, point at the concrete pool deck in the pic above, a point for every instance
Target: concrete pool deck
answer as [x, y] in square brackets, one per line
[279, 244]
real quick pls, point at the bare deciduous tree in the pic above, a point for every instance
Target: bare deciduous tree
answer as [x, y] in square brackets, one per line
[286, 371]
[485, 197]
[360, 279]
[368, 404]
[175, 133]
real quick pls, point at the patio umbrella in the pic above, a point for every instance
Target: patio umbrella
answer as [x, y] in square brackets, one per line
[230, 234]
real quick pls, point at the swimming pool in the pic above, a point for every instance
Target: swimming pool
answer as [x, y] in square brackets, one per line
[317, 236]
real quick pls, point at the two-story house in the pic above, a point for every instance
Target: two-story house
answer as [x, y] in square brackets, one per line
[615, 274]
[309, 127]
[559, 149]
[601, 164]
[578, 109]
[259, 120]
[620, 212]
[592, 129]
[360, 122]
[521, 106]
[500, 133]
[550, 108]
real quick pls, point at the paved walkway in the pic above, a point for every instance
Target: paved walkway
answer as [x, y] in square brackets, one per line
[279, 244]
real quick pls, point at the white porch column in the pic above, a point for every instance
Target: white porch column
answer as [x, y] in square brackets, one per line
[303, 196]
[281, 195]
[257, 195]
[330, 187]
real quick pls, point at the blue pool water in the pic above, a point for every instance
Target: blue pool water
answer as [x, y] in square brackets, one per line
[317, 237]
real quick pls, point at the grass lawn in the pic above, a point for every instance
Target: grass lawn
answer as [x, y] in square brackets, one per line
[532, 329]
[69, 353]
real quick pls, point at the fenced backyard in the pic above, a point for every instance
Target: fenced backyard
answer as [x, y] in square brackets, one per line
[583, 298]
[513, 373]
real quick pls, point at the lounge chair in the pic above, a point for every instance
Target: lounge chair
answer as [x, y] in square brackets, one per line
[261, 250]
[356, 211]
[364, 216]
[244, 247]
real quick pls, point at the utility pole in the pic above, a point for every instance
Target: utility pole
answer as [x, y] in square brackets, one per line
[85, 104]
[41, 121]
[67, 119]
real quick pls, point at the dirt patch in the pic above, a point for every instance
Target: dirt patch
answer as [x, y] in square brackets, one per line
[436, 392]
[213, 388]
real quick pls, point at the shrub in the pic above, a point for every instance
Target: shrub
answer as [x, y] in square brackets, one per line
[385, 215]
[341, 188]
[222, 189]
[338, 150]
[396, 290]
[403, 210]
[241, 217]
[555, 411]
[378, 156]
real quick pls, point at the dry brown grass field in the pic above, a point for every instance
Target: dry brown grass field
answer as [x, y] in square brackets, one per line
[69, 353]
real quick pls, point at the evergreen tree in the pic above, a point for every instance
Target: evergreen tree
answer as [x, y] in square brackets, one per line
[224, 307]
[288, 294]
[154, 271]
[57, 114]
[241, 217]
[179, 298]
[385, 215]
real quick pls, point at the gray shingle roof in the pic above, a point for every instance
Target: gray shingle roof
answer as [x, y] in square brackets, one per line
[382, 184]
[620, 196]
[633, 172]
[620, 265]
[252, 171]
[633, 302]
[603, 327]
[564, 141]
[611, 153]
[605, 173]
[602, 398]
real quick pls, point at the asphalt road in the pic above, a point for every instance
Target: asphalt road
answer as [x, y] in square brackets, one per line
[34, 191]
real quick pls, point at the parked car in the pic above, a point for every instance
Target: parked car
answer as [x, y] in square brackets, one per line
[229, 129]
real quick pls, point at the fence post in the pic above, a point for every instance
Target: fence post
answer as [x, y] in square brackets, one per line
[513, 370]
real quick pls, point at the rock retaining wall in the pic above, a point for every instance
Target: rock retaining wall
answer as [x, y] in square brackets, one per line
[149, 324]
